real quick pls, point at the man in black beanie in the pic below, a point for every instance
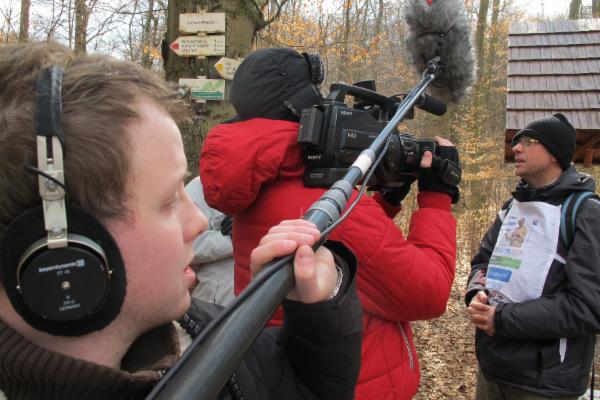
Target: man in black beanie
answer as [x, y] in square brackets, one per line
[535, 305]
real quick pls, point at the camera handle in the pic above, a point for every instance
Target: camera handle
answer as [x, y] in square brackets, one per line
[338, 92]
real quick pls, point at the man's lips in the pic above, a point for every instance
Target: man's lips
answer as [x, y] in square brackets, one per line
[190, 276]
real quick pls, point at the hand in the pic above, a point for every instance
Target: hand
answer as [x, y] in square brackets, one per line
[396, 195]
[431, 172]
[481, 313]
[227, 225]
[315, 272]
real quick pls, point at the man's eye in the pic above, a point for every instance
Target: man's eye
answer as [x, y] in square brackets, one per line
[173, 202]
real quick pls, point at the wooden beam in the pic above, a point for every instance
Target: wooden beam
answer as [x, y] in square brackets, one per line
[582, 149]
[589, 158]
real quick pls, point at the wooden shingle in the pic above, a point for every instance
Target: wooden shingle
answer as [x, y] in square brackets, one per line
[554, 66]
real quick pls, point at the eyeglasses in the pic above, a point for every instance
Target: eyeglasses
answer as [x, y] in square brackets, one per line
[525, 141]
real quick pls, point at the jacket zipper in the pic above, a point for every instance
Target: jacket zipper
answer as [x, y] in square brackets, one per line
[408, 349]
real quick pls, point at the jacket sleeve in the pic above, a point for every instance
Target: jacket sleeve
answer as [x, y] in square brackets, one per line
[210, 245]
[574, 309]
[316, 354]
[403, 279]
[479, 262]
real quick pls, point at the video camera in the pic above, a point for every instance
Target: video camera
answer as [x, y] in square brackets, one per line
[332, 136]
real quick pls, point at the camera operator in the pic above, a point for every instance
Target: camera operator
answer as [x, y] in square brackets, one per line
[91, 317]
[252, 169]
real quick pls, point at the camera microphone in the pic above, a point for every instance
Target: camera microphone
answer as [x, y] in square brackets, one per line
[438, 28]
[431, 105]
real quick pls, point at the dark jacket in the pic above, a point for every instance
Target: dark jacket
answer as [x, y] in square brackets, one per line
[265, 186]
[524, 351]
[314, 355]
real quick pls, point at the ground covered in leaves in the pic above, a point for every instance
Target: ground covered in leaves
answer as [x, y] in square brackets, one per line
[446, 349]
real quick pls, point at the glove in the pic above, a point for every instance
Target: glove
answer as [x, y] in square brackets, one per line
[443, 175]
[396, 195]
[227, 225]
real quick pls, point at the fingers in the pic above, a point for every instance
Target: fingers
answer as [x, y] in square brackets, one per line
[482, 297]
[268, 251]
[481, 313]
[282, 240]
[315, 275]
[442, 141]
[300, 230]
[426, 160]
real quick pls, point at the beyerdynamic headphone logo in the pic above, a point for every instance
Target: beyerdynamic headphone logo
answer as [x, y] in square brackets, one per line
[59, 267]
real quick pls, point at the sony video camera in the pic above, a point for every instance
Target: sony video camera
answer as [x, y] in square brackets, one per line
[332, 136]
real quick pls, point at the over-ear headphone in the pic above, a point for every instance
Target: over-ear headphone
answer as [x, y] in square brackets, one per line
[316, 68]
[60, 267]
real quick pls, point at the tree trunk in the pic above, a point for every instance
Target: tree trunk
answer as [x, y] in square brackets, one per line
[24, 25]
[574, 9]
[242, 21]
[480, 33]
[81, 20]
[147, 36]
[595, 8]
[345, 56]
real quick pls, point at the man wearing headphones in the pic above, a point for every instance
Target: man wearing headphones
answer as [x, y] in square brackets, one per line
[399, 280]
[95, 252]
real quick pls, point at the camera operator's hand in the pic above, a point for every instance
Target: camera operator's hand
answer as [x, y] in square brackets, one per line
[227, 225]
[395, 196]
[431, 173]
[315, 272]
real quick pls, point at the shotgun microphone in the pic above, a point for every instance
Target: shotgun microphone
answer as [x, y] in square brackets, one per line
[439, 28]
[431, 105]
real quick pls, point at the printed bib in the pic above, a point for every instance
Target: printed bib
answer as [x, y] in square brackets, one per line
[524, 252]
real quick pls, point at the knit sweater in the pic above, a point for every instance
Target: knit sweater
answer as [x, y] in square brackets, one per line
[29, 372]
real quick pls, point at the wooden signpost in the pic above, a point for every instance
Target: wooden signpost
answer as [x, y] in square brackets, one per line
[226, 67]
[204, 89]
[190, 46]
[201, 22]
[195, 42]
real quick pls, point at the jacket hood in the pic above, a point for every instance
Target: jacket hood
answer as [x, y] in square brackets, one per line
[237, 159]
[568, 182]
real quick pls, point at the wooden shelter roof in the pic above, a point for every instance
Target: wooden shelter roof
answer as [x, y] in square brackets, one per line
[554, 66]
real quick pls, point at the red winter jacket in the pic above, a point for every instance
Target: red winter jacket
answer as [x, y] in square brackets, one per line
[253, 171]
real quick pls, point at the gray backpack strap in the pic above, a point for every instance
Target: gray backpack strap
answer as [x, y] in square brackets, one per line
[568, 216]
[505, 209]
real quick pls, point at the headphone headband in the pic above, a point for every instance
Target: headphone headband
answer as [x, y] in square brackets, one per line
[50, 154]
[48, 108]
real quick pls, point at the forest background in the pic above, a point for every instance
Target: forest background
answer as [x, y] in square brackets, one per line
[358, 40]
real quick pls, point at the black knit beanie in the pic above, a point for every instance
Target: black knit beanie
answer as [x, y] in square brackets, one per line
[556, 134]
[273, 83]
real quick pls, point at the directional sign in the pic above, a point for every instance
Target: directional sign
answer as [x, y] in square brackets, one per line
[202, 22]
[226, 67]
[206, 89]
[189, 46]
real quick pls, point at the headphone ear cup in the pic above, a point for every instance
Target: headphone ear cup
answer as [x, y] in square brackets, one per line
[316, 68]
[68, 291]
